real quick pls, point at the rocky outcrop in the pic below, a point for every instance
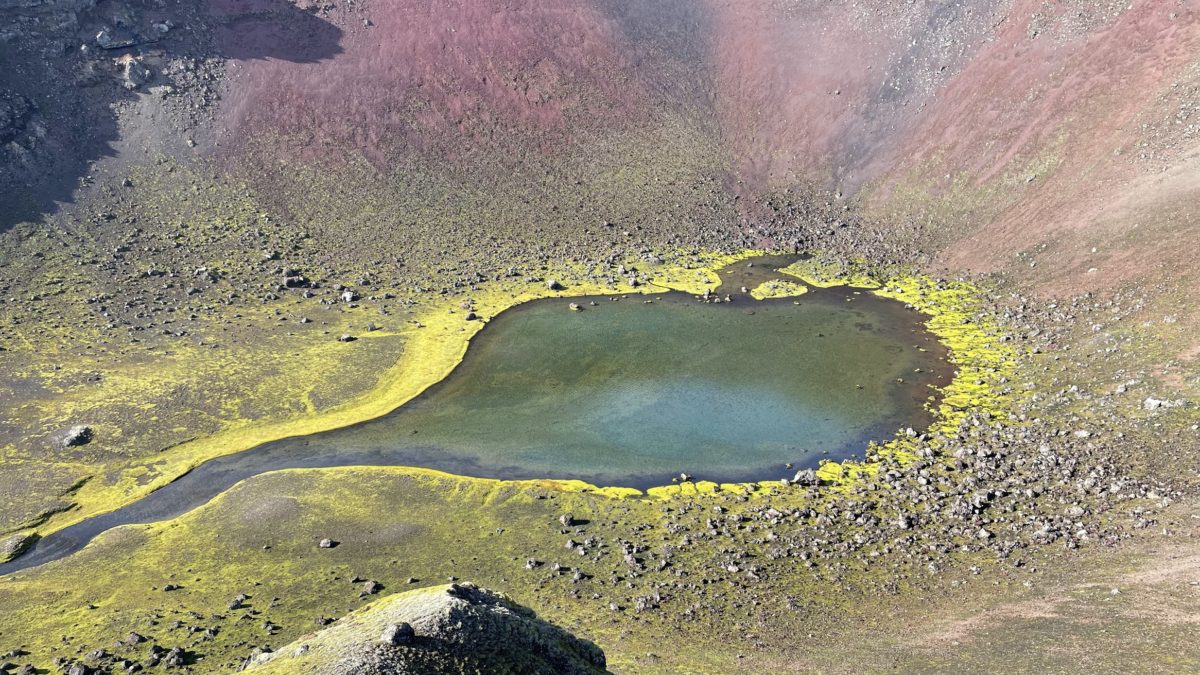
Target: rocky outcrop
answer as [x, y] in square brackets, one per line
[13, 546]
[445, 629]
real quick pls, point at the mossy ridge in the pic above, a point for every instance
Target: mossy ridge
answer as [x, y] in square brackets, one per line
[454, 628]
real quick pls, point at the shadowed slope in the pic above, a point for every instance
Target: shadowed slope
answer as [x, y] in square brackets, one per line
[62, 90]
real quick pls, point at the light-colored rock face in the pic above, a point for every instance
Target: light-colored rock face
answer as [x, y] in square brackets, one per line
[453, 628]
[15, 545]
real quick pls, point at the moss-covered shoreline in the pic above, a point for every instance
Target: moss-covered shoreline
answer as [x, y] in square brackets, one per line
[434, 342]
[879, 533]
[439, 337]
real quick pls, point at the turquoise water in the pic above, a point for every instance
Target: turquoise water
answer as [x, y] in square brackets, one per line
[634, 392]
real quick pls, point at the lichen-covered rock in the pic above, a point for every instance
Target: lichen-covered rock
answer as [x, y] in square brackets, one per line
[15, 545]
[444, 629]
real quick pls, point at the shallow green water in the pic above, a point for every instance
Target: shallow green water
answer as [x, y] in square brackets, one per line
[627, 392]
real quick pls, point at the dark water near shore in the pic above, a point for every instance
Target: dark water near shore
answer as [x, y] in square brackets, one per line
[626, 392]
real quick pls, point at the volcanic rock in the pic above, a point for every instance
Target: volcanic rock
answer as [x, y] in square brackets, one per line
[444, 629]
[77, 435]
[806, 477]
[397, 634]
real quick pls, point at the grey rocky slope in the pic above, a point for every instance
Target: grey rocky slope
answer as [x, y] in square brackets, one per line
[445, 629]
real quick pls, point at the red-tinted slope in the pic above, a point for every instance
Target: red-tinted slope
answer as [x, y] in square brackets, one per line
[1003, 124]
[826, 90]
[1065, 126]
[447, 77]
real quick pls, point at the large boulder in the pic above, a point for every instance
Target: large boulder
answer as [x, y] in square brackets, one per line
[15, 545]
[445, 629]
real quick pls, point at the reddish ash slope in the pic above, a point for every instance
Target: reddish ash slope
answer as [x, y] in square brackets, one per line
[445, 78]
[1063, 130]
[825, 91]
[1012, 126]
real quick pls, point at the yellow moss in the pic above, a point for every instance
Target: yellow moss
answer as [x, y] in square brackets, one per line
[983, 361]
[479, 530]
[580, 486]
[778, 289]
[684, 489]
[436, 341]
[821, 274]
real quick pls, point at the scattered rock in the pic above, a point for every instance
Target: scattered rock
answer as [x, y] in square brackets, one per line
[174, 658]
[112, 38]
[806, 477]
[15, 114]
[1151, 404]
[135, 75]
